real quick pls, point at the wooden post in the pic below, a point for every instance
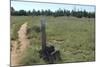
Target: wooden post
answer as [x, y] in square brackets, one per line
[43, 34]
[48, 53]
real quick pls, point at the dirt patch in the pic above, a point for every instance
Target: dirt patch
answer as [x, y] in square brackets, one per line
[19, 46]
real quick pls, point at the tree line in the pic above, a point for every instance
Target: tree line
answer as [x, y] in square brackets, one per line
[56, 13]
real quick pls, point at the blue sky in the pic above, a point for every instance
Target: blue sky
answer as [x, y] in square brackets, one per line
[38, 6]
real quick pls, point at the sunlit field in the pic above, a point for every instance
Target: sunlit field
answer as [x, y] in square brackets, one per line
[73, 37]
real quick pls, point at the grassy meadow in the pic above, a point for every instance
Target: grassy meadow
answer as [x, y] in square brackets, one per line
[73, 37]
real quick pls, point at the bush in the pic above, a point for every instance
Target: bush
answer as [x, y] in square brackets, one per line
[33, 31]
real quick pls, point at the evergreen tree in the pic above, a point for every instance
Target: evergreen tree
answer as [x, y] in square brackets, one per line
[12, 10]
[57, 13]
[22, 13]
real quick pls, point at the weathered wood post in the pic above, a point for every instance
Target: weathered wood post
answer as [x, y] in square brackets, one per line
[43, 34]
[48, 53]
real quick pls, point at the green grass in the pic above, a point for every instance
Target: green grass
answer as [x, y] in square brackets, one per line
[74, 37]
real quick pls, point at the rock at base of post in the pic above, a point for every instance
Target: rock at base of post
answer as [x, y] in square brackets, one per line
[50, 55]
